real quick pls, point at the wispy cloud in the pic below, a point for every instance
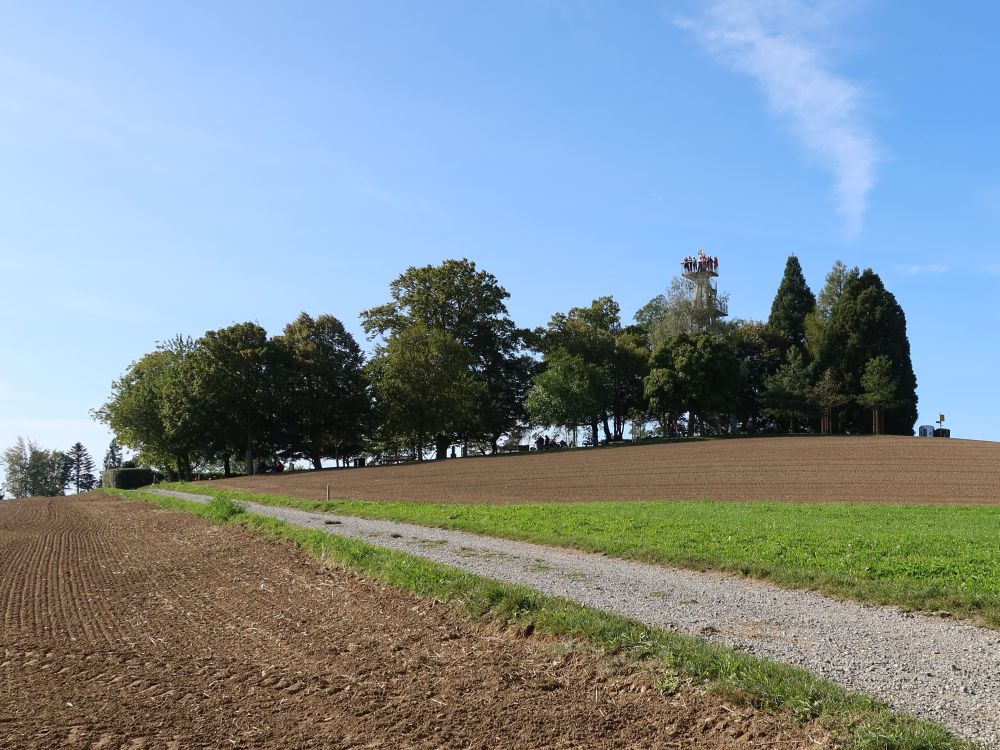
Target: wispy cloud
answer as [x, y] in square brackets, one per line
[930, 268]
[992, 269]
[779, 44]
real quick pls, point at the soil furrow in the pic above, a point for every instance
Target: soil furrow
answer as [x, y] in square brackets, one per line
[223, 639]
[885, 469]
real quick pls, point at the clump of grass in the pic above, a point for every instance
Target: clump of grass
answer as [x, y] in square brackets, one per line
[222, 509]
[861, 722]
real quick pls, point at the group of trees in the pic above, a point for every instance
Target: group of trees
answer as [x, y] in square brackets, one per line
[450, 366]
[846, 353]
[812, 362]
[34, 471]
[236, 393]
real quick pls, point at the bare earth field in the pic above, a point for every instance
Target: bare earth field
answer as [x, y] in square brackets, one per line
[803, 469]
[126, 627]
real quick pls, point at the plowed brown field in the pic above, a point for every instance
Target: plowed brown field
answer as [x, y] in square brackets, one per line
[813, 469]
[125, 627]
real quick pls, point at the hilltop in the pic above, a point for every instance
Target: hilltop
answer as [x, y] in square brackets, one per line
[884, 469]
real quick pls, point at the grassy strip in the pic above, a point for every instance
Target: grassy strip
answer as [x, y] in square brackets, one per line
[935, 558]
[862, 722]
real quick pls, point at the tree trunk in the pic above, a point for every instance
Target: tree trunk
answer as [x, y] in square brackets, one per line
[227, 469]
[441, 447]
[317, 461]
[249, 454]
[593, 432]
[607, 428]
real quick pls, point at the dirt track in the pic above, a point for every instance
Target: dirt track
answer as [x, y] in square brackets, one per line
[815, 468]
[124, 627]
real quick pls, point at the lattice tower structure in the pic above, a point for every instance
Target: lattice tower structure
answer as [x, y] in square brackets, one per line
[708, 305]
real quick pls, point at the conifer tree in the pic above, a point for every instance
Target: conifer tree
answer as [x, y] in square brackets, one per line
[113, 457]
[866, 322]
[879, 389]
[787, 393]
[792, 303]
[80, 469]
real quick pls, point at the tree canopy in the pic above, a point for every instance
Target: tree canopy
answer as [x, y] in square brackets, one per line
[324, 389]
[32, 471]
[866, 322]
[449, 365]
[468, 305]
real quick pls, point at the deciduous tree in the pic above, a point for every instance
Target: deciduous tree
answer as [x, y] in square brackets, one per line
[235, 389]
[324, 389]
[469, 306]
[424, 387]
[566, 393]
[32, 471]
[669, 314]
[595, 335]
[154, 408]
[696, 373]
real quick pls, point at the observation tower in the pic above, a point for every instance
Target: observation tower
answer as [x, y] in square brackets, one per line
[707, 305]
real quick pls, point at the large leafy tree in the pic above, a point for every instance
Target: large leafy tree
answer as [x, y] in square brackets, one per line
[866, 322]
[32, 471]
[235, 390]
[669, 314]
[758, 349]
[325, 394]
[80, 467]
[425, 390]
[698, 374]
[619, 354]
[468, 305]
[567, 392]
[792, 304]
[153, 408]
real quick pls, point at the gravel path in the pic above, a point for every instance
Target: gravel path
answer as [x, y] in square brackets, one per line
[936, 669]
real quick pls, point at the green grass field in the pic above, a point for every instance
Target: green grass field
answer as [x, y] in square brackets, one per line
[921, 557]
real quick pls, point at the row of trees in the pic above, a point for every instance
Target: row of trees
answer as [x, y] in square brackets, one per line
[32, 471]
[235, 392]
[450, 366]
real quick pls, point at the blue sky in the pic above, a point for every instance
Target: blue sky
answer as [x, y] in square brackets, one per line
[170, 168]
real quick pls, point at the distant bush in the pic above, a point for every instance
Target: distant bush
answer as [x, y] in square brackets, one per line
[126, 479]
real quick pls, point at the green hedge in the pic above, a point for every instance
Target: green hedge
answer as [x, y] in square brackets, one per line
[126, 479]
